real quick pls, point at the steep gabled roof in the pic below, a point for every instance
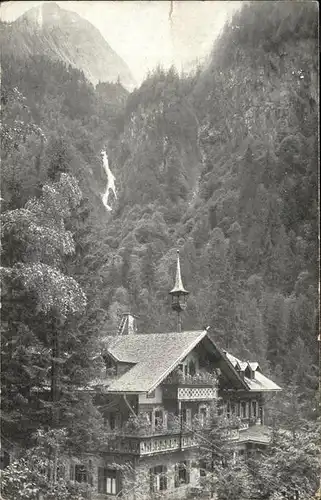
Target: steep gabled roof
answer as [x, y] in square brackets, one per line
[155, 355]
[255, 366]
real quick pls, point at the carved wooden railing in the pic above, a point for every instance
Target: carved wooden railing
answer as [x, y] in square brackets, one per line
[150, 445]
[200, 387]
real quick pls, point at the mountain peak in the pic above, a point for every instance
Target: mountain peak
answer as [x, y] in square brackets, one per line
[49, 14]
[62, 34]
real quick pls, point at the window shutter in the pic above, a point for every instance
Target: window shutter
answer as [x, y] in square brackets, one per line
[176, 477]
[117, 420]
[188, 417]
[101, 480]
[165, 420]
[118, 481]
[188, 467]
[163, 478]
[72, 472]
[151, 480]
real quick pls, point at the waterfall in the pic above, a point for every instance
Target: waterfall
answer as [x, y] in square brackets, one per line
[110, 181]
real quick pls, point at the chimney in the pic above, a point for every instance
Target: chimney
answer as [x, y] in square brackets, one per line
[127, 325]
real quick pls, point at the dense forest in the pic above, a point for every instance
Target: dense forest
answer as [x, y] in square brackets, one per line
[221, 163]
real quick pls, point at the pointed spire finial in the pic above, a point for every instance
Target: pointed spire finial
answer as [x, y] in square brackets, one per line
[178, 294]
[178, 285]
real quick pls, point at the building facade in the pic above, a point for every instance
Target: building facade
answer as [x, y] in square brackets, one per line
[157, 398]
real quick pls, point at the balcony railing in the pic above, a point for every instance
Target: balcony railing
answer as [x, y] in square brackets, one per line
[161, 444]
[149, 445]
[201, 378]
[138, 437]
[199, 387]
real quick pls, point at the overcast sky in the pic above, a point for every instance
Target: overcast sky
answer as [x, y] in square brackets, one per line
[140, 31]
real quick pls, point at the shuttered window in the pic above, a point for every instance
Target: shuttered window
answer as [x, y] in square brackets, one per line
[107, 481]
[80, 473]
[158, 478]
[182, 475]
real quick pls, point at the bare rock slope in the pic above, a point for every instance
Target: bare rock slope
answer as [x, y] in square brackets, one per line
[58, 33]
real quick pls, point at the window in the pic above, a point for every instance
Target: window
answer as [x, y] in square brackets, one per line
[111, 367]
[243, 409]
[181, 473]
[187, 416]
[61, 471]
[112, 421]
[233, 409]
[80, 473]
[203, 468]
[202, 414]
[107, 481]
[109, 362]
[5, 459]
[158, 478]
[228, 410]
[254, 409]
[192, 369]
[158, 418]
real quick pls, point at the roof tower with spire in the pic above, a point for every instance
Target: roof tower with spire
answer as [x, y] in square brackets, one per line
[178, 294]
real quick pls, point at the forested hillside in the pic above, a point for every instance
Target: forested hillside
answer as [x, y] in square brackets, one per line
[54, 126]
[221, 164]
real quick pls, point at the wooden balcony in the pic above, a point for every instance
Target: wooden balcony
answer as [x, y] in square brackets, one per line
[200, 387]
[164, 444]
[196, 393]
[256, 433]
[151, 445]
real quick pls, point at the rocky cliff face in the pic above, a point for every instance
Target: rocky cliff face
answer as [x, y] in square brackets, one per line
[64, 35]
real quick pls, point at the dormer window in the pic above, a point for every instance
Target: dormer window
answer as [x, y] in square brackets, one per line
[249, 373]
